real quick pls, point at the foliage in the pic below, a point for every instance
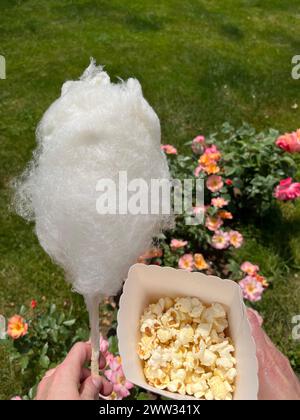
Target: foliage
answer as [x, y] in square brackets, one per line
[50, 335]
[256, 165]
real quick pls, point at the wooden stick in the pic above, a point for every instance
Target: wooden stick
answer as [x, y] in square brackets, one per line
[92, 303]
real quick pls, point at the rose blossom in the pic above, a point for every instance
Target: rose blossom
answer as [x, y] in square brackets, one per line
[186, 262]
[17, 327]
[235, 238]
[219, 202]
[178, 243]
[103, 346]
[214, 183]
[116, 376]
[33, 304]
[252, 289]
[287, 190]
[199, 262]
[249, 268]
[168, 149]
[290, 142]
[213, 223]
[220, 240]
[197, 144]
[225, 214]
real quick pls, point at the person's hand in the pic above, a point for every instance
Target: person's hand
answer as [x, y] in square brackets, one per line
[277, 381]
[71, 380]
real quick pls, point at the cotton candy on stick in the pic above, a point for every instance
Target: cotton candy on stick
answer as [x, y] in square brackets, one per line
[94, 130]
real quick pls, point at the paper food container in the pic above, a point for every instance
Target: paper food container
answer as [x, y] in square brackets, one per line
[146, 284]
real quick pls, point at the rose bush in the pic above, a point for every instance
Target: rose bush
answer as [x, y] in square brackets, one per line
[245, 175]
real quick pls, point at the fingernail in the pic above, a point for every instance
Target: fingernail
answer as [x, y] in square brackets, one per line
[97, 381]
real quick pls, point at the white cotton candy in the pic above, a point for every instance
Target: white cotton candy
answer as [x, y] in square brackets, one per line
[93, 130]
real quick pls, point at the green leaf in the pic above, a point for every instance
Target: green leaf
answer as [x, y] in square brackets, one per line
[23, 310]
[45, 349]
[113, 345]
[24, 361]
[69, 323]
[44, 361]
[52, 309]
[32, 392]
[145, 396]
[61, 318]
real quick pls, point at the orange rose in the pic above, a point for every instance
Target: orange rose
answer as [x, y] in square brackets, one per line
[199, 262]
[17, 327]
[225, 214]
[211, 168]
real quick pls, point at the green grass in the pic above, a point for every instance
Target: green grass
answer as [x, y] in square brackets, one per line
[200, 63]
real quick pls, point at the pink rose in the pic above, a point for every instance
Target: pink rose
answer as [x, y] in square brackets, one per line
[287, 190]
[235, 238]
[249, 268]
[169, 149]
[214, 183]
[290, 142]
[219, 202]
[103, 346]
[213, 223]
[186, 262]
[197, 145]
[252, 289]
[220, 240]
[178, 243]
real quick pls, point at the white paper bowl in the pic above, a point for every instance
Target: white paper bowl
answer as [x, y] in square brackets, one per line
[147, 283]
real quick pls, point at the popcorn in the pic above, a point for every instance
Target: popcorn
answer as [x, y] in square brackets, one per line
[185, 335]
[220, 324]
[178, 374]
[208, 358]
[177, 386]
[164, 335]
[184, 348]
[171, 318]
[230, 375]
[219, 388]
[203, 330]
[149, 326]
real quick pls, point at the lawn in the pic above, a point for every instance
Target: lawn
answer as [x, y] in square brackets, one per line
[200, 63]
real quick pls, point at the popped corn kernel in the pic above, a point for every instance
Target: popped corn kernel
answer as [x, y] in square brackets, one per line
[164, 335]
[168, 302]
[183, 305]
[225, 362]
[184, 348]
[203, 330]
[149, 327]
[185, 335]
[208, 358]
[230, 375]
[178, 374]
[220, 324]
[177, 385]
[218, 388]
[145, 347]
[209, 395]
[171, 318]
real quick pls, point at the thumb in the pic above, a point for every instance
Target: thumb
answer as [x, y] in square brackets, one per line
[91, 388]
[259, 336]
